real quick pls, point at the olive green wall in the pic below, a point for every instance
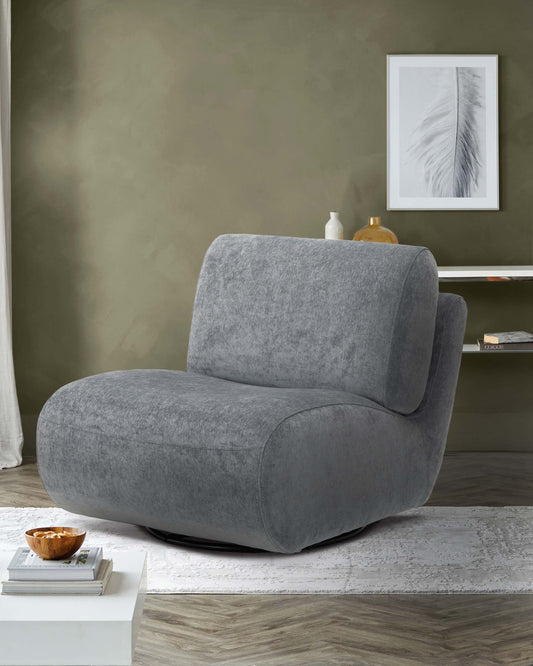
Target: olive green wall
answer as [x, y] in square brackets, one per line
[142, 129]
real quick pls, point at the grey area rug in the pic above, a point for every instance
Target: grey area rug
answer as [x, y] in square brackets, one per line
[426, 550]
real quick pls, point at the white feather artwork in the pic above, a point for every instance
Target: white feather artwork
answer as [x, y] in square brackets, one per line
[447, 141]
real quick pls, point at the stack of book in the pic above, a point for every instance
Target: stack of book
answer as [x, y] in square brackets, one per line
[86, 572]
[507, 341]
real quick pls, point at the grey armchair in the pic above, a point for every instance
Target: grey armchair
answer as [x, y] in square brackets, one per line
[320, 383]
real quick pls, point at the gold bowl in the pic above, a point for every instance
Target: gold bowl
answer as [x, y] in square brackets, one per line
[48, 547]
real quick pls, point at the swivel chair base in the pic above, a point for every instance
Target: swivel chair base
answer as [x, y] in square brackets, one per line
[208, 544]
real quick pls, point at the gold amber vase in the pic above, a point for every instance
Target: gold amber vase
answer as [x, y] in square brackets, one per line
[375, 233]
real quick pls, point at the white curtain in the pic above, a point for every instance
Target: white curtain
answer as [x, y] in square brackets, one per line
[10, 427]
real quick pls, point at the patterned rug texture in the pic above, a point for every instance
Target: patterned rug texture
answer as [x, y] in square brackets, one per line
[425, 550]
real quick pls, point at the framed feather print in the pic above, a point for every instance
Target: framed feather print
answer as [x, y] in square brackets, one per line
[442, 132]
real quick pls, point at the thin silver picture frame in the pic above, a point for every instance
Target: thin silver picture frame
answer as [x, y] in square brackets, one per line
[442, 132]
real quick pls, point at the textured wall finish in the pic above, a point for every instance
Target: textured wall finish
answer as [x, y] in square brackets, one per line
[142, 129]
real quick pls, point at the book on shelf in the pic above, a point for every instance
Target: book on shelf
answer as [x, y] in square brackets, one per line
[83, 566]
[518, 346]
[90, 587]
[508, 338]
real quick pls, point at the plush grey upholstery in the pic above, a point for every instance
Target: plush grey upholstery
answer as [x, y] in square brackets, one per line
[298, 312]
[318, 395]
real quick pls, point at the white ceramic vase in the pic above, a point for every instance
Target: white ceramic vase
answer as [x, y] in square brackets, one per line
[334, 228]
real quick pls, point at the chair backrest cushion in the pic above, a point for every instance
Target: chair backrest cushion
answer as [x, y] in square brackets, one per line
[302, 312]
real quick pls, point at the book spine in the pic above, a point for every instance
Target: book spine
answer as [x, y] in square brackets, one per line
[505, 346]
[60, 572]
[78, 593]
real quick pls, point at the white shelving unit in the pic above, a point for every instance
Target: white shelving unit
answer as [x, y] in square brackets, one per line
[487, 274]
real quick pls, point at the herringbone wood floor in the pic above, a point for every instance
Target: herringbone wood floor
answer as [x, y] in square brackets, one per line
[378, 630]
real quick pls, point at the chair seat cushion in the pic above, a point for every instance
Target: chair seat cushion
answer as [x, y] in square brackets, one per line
[164, 408]
[274, 468]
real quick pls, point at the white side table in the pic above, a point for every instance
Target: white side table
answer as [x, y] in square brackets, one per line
[75, 630]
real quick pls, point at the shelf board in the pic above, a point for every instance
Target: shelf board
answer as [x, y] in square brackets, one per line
[485, 273]
[473, 349]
